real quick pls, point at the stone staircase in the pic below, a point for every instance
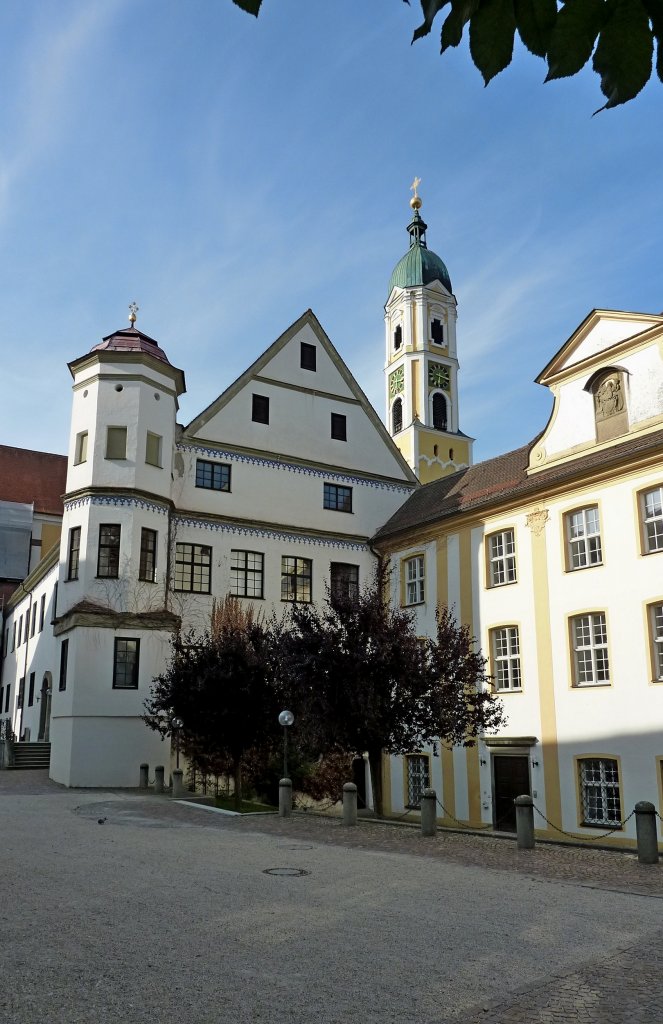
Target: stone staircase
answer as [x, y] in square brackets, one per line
[31, 755]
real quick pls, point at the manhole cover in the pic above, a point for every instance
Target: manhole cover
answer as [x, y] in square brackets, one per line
[289, 872]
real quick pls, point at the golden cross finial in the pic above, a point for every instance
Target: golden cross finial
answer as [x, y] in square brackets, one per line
[133, 309]
[414, 186]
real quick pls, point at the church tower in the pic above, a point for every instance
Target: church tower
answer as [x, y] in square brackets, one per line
[421, 371]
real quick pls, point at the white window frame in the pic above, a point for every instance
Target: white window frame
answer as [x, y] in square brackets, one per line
[600, 797]
[651, 508]
[656, 639]
[583, 538]
[589, 639]
[415, 580]
[502, 558]
[505, 648]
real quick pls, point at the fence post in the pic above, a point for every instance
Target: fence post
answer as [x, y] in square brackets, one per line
[178, 784]
[158, 778]
[524, 822]
[349, 804]
[428, 812]
[645, 830]
[285, 798]
[144, 776]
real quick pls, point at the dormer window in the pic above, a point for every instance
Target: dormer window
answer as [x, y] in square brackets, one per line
[398, 337]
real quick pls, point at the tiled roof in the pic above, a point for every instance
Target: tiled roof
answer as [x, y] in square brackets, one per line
[37, 478]
[505, 480]
[131, 340]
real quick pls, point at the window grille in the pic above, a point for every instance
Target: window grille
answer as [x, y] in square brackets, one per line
[439, 411]
[599, 788]
[418, 779]
[397, 416]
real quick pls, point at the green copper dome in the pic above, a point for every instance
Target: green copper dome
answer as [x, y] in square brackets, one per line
[419, 266]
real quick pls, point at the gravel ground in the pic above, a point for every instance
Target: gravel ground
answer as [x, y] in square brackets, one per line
[165, 913]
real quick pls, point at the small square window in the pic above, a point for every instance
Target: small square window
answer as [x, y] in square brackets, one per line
[213, 476]
[338, 427]
[337, 498]
[116, 443]
[260, 409]
[125, 664]
[153, 450]
[80, 453]
[307, 357]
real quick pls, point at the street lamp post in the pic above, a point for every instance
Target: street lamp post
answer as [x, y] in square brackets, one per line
[176, 725]
[286, 718]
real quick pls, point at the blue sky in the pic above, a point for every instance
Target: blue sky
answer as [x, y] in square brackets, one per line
[228, 173]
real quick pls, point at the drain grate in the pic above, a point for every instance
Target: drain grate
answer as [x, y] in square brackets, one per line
[287, 872]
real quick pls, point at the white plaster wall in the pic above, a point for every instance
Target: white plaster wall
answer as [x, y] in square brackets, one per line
[285, 366]
[140, 407]
[621, 719]
[108, 738]
[607, 332]
[284, 494]
[574, 423]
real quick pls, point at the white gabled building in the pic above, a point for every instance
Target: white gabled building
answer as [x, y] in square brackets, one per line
[270, 494]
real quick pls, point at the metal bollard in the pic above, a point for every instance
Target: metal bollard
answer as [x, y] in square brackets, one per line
[144, 776]
[428, 812]
[158, 778]
[285, 798]
[645, 830]
[349, 804]
[524, 822]
[178, 783]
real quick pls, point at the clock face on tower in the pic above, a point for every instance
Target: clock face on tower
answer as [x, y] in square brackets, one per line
[438, 376]
[396, 381]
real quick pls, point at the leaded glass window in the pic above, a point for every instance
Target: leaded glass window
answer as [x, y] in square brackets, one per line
[599, 788]
[418, 779]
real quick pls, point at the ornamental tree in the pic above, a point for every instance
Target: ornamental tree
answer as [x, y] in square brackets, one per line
[219, 684]
[361, 680]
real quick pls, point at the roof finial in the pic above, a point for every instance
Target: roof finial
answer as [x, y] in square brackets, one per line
[415, 202]
[133, 309]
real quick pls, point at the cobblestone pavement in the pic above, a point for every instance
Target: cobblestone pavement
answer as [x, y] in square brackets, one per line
[457, 929]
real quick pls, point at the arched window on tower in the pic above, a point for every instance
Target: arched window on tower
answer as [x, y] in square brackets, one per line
[397, 416]
[439, 411]
[398, 337]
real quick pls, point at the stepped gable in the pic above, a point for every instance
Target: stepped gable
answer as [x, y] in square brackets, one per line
[504, 480]
[33, 478]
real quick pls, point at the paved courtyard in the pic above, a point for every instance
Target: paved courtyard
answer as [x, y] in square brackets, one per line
[125, 908]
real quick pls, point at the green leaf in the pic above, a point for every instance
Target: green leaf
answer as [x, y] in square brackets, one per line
[491, 37]
[654, 9]
[430, 8]
[250, 6]
[535, 20]
[573, 37]
[460, 14]
[623, 55]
